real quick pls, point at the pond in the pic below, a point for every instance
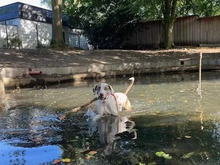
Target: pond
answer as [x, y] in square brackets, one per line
[169, 124]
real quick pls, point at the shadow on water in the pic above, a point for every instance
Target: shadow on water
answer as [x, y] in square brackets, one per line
[167, 118]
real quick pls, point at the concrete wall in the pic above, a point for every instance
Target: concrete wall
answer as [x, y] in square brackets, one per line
[15, 77]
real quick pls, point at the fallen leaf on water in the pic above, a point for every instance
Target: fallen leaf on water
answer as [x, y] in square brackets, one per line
[188, 155]
[62, 117]
[188, 137]
[164, 155]
[150, 101]
[66, 160]
[57, 161]
[152, 163]
[92, 153]
[88, 157]
[141, 163]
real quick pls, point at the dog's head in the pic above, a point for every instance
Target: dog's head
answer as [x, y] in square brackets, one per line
[103, 90]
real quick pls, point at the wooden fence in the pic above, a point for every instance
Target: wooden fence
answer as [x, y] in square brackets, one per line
[187, 31]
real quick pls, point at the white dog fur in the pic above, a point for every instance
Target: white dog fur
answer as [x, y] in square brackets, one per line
[109, 102]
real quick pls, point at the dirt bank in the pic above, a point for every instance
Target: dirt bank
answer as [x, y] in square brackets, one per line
[57, 66]
[29, 58]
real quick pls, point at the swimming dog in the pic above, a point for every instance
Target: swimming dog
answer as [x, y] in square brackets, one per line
[110, 102]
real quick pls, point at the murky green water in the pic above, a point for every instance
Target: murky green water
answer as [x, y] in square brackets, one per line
[168, 116]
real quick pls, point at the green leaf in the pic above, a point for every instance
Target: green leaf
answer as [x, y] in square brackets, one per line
[163, 155]
[66, 160]
[141, 163]
[152, 163]
[188, 155]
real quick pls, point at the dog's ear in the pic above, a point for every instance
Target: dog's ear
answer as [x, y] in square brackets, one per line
[95, 89]
[111, 89]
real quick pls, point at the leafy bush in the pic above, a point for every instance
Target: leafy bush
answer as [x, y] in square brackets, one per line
[14, 42]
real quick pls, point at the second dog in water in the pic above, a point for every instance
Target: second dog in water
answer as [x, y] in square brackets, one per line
[109, 102]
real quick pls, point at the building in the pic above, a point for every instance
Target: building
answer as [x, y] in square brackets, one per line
[33, 26]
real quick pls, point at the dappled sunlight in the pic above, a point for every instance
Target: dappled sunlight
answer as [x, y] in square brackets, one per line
[29, 40]
[99, 61]
[49, 57]
[44, 35]
[7, 53]
[2, 95]
[33, 29]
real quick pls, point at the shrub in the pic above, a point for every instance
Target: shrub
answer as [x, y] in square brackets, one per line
[14, 42]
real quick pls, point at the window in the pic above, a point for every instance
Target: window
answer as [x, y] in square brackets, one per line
[2, 23]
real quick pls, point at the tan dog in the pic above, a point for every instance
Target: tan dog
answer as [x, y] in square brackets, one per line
[110, 102]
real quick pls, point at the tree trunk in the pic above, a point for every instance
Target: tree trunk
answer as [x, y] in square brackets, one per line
[168, 35]
[169, 13]
[57, 26]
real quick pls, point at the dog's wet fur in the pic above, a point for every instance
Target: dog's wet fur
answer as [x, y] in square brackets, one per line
[109, 102]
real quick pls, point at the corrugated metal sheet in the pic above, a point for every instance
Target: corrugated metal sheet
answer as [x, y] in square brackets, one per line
[187, 31]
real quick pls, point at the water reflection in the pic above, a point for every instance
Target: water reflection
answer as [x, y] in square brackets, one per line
[110, 129]
[179, 136]
[33, 135]
[2, 95]
[28, 156]
[168, 115]
[29, 126]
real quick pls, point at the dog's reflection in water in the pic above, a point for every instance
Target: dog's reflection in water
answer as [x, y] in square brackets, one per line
[110, 129]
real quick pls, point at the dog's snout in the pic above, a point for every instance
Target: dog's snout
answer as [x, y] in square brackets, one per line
[101, 96]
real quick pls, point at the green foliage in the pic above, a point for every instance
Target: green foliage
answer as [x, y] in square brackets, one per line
[202, 8]
[47, 3]
[107, 22]
[14, 42]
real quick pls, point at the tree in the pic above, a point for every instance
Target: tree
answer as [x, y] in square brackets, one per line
[173, 8]
[57, 26]
[169, 15]
[111, 20]
[105, 24]
[168, 10]
[164, 10]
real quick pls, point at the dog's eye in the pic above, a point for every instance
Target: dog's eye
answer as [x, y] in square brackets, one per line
[106, 88]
